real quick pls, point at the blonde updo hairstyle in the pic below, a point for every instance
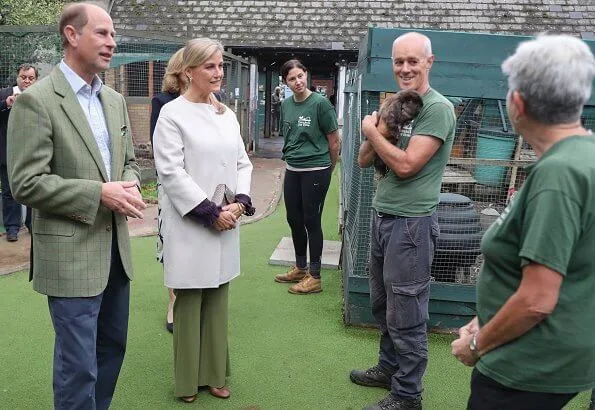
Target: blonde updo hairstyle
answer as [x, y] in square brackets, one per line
[172, 83]
[196, 52]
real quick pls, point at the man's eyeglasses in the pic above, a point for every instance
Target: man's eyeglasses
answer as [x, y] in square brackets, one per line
[26, 77]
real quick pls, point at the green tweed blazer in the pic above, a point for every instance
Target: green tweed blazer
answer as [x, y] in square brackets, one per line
[55, 167]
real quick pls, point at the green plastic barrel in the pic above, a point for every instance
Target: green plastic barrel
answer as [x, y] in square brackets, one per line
[490, 145]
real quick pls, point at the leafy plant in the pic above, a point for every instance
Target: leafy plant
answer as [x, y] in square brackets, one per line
[22, 45]
[30, 12]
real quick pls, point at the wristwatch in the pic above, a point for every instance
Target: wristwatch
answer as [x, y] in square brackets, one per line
[473, 345]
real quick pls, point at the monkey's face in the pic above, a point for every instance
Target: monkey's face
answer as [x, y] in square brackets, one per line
[409, 104]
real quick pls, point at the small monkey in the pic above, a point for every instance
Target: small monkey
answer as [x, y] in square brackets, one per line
[396, 112]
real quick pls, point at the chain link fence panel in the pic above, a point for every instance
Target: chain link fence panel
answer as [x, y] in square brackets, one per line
[485, 169]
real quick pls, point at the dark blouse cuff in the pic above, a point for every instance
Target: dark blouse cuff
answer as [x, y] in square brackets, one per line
[247, 202]
[205, 213]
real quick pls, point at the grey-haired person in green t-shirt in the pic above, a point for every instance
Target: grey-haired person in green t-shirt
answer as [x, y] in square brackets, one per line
[533, 340]
[405, 227]
[311, 150]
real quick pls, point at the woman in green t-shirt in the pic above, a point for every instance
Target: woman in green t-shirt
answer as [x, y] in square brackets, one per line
[533, 342]
[311, 149]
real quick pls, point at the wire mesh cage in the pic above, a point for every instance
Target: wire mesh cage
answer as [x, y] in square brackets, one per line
[484, 170]
[40, 46]
[136, 71]
[358, 189]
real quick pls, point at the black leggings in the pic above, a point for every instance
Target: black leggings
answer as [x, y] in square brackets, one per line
[304, 194]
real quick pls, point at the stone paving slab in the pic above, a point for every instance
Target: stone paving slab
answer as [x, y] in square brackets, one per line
[284, 254]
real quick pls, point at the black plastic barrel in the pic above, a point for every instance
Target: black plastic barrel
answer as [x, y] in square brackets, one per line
[460, 236]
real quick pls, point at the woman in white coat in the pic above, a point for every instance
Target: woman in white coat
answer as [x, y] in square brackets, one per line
[197, 146]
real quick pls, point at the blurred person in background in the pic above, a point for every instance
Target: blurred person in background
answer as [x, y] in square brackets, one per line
[174, 83]
[12, 213]
[275, 107]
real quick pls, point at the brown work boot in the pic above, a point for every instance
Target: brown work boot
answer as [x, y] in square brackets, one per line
[306, 286]
[293, 275]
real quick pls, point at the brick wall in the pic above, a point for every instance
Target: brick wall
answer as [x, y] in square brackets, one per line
[333, 24]
[139, 122]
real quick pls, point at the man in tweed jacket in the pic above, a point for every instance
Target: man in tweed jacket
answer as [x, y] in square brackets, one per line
[70, 157]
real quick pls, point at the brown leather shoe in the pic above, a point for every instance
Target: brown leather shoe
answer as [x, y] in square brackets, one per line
[188, 399]
[220, 392]
[293, 275]
[306, 286]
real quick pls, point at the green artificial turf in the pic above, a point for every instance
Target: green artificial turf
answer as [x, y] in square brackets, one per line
[287, 351]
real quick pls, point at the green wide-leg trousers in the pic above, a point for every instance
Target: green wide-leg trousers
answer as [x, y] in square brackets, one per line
[201, 357]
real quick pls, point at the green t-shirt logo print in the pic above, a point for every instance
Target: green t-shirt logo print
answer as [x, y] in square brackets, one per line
[304, 121]
[306, 125]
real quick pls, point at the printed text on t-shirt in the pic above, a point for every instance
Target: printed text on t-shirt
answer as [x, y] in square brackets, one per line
[304, 121]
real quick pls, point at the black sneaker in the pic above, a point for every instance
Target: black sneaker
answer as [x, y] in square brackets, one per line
[12, 236]
[372, 377]
[392, 403]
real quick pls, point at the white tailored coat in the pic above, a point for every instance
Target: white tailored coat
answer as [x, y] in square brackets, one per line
[196, 149]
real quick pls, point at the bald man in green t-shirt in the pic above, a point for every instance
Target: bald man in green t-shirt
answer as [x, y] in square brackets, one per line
[405, 227]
